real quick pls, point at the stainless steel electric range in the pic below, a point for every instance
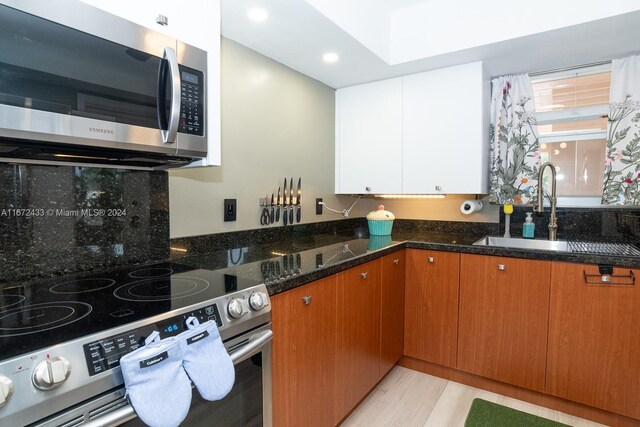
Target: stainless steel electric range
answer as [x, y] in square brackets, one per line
[61, 341]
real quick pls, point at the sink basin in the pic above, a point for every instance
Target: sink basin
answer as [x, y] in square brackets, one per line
[546, 245]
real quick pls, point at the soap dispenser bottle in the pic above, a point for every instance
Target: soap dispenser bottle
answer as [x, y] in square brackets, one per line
[528, 228]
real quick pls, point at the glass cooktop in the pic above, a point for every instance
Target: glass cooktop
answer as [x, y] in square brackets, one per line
[48, 312]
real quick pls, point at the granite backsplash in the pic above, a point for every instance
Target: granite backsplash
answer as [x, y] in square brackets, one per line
[63, 219]
[603, 224]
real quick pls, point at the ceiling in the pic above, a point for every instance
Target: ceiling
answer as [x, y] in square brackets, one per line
[378, 39]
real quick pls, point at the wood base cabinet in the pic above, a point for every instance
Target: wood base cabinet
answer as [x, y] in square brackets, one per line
[391, 311]
[304, 355]
[431, 306]
[503, 321]
[594, 338]
[358, 337]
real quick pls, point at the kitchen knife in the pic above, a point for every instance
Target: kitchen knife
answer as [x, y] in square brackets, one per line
[273, 209]
[284, 203]
[298, 207]
[278, 206]
[299, 262]
[291, 201]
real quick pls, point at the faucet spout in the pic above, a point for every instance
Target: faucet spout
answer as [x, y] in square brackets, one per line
[539, 205]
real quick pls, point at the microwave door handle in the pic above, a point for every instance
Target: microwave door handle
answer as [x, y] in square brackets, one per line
[169, 135]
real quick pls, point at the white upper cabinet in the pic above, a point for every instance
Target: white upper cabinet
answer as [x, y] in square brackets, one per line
[369, 138]
[195, 22]
[425, 133]
[445, 131]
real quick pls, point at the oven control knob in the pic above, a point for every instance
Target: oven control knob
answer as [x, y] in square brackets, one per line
[6, 390]
[258, 300]
[236, 308]
[51, 373]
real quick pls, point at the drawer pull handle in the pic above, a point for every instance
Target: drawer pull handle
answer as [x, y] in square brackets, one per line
[610, 279]
[306, 299]
[502, 267]
[364, 275]
[431, 259]
[396, 261]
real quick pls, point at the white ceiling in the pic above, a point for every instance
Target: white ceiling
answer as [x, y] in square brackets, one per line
[378, 39]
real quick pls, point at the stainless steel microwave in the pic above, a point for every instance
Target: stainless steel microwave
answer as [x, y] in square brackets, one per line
[78, 84]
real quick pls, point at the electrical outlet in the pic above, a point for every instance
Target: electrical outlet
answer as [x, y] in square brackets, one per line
[230, 210]
[318, 206]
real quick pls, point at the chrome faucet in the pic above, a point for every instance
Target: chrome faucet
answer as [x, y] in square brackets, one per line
[539, 205]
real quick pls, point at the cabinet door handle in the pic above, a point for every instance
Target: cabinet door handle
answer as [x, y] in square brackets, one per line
[306, 299]
[396, 261]
[364, 275]
[431, 259]
[610, 279]
[502, 267]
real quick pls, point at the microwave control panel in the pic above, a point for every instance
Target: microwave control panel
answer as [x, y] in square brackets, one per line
[191, 101]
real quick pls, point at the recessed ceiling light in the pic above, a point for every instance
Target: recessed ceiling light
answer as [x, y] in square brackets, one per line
[257, 14]
[330, 57]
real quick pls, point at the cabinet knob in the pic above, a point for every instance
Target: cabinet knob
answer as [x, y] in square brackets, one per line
[162, 20]
[431, 259]
[367, 188]
[438, 188]
[396, 261]
[364, 275]
[306, 299]
[502, 267]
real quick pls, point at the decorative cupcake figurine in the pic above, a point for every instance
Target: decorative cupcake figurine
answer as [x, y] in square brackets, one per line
[380, 222]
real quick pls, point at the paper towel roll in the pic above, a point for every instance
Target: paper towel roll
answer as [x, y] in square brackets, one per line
[470, 206]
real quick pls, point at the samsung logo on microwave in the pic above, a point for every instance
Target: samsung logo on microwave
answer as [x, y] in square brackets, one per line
[102, 130]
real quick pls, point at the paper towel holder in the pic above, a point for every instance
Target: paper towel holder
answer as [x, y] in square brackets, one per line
[471, 206]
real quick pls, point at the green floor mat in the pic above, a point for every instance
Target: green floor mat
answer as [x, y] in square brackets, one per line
[489, 414]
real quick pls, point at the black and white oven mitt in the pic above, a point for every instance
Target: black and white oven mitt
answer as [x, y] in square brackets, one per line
[157, 385]
[205, 359]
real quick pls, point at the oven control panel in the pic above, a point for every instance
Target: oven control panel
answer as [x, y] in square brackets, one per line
[191, 101]
[105, 354]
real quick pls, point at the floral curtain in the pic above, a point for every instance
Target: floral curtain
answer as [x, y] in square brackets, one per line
[515, 151]
[622, 159]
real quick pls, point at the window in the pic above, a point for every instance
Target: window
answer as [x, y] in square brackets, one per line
[571, 111]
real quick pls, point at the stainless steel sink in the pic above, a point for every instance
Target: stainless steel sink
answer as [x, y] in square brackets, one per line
[546, 245]
[584, 247]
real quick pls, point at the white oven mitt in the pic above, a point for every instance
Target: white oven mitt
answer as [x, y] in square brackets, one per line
[206, 360]
[157, 386]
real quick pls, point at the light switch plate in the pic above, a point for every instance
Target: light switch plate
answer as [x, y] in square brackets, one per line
[230, 209]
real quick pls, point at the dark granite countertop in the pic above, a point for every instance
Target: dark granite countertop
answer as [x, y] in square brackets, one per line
[288, 264]
[286, 257]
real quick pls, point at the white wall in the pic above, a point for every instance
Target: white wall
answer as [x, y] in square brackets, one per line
[276, 122]
[447, 209]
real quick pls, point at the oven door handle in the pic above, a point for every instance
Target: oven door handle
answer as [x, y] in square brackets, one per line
[126, 413]
[255, 343]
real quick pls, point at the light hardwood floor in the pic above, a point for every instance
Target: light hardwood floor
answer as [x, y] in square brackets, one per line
[409, 398]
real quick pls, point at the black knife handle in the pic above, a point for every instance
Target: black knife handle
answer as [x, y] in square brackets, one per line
[285, 216]
[298, 213]
[278, 214]
[272, 215]
[291, 215]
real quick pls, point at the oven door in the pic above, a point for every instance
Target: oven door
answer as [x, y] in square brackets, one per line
[248, 403]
